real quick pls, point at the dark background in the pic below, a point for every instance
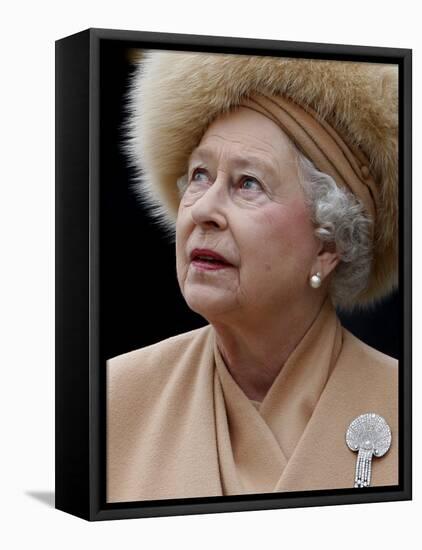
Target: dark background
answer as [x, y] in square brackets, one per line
[140, 298]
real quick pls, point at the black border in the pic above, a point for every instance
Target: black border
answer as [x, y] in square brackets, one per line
[80, 372]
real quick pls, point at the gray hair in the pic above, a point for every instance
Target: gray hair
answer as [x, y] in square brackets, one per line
[341, 223]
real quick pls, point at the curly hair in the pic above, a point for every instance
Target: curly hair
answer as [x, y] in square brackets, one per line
[341, 221]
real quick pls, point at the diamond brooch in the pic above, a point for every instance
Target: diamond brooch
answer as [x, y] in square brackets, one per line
[369, 435]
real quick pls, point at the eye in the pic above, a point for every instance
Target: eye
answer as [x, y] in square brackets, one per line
[250, 184]
[201, 173]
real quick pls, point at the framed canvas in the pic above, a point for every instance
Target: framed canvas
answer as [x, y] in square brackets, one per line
[202, 364]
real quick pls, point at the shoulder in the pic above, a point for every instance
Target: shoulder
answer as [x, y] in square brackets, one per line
[157, 360]
[371, 366]
[175, 345]
[367, 352]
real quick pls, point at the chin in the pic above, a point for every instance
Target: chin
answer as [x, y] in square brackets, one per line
[205, 305]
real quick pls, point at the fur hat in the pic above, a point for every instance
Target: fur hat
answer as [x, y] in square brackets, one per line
[174, 96]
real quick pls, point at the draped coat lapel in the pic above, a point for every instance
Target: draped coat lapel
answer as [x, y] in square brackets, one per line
[363, 381]
[263, 441]
[178, 425]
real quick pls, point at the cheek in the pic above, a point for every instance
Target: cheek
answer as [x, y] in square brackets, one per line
[184, 228]
[181, 238]
[288, 233]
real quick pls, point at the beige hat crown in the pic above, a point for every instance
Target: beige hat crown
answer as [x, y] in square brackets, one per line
[174, 96]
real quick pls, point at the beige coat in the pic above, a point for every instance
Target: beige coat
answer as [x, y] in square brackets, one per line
[179, 426]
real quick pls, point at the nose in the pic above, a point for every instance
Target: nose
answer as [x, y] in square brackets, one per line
[209, 209]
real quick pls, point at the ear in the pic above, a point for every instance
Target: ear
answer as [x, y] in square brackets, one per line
[326, 260]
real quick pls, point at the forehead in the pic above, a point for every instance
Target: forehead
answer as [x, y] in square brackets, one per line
[246, 137]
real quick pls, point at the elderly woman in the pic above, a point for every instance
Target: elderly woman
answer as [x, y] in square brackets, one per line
[280, 178]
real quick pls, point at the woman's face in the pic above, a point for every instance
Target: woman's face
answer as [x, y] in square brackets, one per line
[244, 201]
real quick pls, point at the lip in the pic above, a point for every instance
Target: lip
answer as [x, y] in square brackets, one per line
[203, 265]
[208, 252]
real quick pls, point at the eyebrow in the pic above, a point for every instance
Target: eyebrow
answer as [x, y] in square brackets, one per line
[248, 160]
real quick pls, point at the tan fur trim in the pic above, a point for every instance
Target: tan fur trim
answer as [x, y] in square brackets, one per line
[176, 95]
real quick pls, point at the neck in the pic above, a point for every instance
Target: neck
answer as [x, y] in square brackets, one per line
[255, 352]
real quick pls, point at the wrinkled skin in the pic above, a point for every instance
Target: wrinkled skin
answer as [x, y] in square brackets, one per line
[255, 215]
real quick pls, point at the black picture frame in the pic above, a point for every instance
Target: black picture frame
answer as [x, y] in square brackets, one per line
[81, 331]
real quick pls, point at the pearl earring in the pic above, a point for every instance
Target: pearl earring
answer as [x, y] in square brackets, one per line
[316, 280]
